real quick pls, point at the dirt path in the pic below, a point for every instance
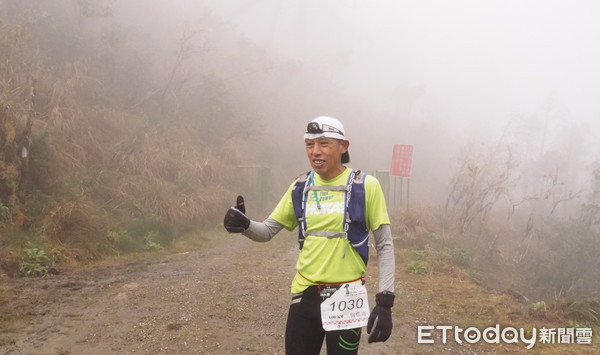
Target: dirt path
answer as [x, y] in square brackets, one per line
[222, 300]
[229, 298]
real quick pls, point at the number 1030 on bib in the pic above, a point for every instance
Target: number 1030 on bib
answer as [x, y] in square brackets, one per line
[347, 308]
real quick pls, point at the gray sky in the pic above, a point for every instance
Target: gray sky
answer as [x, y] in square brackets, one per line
[464, 67]
[434, 73]
[467, 61]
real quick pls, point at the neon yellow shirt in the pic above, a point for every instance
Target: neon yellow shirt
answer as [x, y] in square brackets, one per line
[324, 259]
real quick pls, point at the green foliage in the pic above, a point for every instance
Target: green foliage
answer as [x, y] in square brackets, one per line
[35, 262]
[418, 254]
[418, 268]
[124, 242]
[459, 256]
[59, 256]
[539, 306]
[139, 238]
[151, 245]
[157, 230]
[4, 212]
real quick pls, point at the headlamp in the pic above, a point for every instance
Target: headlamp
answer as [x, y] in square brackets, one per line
[319, 128]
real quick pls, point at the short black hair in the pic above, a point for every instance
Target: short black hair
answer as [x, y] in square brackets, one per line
[345, 158]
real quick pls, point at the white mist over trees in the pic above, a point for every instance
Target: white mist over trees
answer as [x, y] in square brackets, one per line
[145, 108]
[497, 97]
[440, 75]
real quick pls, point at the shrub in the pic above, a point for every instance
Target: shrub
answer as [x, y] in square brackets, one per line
[155, 229]
[460, 257]
[418, 268]
[35, 262]
[151, 245]
[127, 242]
[539, 307]
[418, 254]
[59, 255]
[124, 242]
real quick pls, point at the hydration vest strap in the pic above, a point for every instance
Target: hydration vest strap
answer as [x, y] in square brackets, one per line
[348, 194]
[302, 220]
[327, 188]
[328, 235]
[356, 245]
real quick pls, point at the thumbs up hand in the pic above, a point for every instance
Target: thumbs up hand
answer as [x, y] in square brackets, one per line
[239, 204]
[235, 220]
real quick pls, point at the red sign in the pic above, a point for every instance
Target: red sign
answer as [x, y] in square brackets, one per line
[401, 160]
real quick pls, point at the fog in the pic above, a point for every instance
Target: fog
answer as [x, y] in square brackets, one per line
[169, 100]
[436, 74]
[471, 62]
[497, 97]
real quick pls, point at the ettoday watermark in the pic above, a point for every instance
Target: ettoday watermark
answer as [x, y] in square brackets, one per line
[429, 334]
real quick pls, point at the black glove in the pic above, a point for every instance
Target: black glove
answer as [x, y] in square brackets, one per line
[380, 326]
[235, 220]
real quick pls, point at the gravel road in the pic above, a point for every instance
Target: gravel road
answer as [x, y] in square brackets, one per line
[229, 297]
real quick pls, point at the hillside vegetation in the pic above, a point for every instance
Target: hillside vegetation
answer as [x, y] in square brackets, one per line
[104, 146]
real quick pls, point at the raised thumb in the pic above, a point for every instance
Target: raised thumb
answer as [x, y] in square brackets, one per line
[239, 204]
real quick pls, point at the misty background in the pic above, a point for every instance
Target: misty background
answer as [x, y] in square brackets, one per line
[143, 120]
[497, 97]
[438, 75]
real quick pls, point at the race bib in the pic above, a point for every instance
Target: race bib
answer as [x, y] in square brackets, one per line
[344, 306]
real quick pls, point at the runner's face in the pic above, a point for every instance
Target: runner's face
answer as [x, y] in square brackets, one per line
[325, 156]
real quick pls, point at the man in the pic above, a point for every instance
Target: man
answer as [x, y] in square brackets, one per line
[334, 208]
